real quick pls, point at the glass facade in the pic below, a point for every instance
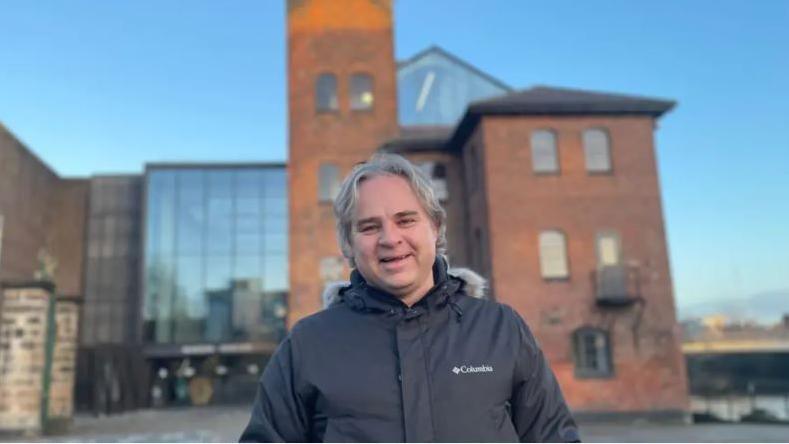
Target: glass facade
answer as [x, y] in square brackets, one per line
[216, 259]
[436, 88]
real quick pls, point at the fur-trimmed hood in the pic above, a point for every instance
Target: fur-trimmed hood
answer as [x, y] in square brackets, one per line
[474, 286]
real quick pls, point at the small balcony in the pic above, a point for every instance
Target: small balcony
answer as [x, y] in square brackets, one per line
[616, 285]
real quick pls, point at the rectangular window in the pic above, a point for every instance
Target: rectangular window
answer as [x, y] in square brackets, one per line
[553, 255]
[608, 250]
[328, 182]
[592, 353]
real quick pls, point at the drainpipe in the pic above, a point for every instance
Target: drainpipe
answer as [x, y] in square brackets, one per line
[2, 219]
[49, 348]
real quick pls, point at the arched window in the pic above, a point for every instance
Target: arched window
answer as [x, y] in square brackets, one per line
[597, 151]
[592, 353]
[553, 255]
[361, 91]
[328, 182]
[326, 92]
[544, 155]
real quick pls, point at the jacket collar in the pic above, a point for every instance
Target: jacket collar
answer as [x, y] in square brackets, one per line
[447, 281]
[381, 300]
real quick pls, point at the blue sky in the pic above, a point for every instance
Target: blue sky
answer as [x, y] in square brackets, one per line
[101, 87]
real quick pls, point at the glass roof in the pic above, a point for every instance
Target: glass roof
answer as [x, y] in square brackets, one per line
[435, 87]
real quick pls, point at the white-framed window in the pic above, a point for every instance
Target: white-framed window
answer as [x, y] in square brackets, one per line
[597, 150]
[328, 182]
[544, 154]
[553, 255]
[326, 92]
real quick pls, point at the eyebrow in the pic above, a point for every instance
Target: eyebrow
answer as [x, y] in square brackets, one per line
[377, 219]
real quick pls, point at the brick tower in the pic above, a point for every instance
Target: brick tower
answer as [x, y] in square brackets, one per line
[342, 102]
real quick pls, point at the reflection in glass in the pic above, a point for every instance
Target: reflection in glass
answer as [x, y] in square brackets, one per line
[220, 212]
[435, 88]
[216, 254]
[326, 92]
[188, 305]
[361, 91]
[275, 273]
[190, 213]
[275, 183]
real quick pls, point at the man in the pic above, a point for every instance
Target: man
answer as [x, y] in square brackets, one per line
[404, 352]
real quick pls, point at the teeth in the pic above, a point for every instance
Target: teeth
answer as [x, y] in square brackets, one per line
[392, 259]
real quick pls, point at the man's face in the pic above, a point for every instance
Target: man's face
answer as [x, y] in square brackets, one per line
[393, 238]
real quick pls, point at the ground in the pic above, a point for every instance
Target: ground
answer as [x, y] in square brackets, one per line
[224, 424]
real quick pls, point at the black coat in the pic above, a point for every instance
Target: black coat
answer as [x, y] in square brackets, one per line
[450, 368]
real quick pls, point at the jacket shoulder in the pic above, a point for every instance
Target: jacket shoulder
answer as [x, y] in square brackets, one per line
[317, 323]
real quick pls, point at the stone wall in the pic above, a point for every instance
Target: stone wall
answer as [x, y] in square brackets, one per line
[24, 330]
[22, 357]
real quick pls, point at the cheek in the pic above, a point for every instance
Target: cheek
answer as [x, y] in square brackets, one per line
[426, 239]
[363, 247]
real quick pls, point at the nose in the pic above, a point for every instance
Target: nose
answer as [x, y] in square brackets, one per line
[390, 235]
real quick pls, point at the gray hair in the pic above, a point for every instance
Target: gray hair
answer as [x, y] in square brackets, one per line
[385, 164]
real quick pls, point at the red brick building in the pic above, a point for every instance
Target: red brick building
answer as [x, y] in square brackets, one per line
[41, 214]
[551, 193]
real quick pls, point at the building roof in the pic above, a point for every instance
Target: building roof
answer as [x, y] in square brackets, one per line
[419, 138]
[435, 49]
[554, 101]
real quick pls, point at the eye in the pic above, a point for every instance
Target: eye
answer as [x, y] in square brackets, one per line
[367, 228]
[406, 222]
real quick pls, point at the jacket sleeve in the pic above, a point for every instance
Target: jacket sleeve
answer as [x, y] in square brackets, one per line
[539, 411]
[278, 415]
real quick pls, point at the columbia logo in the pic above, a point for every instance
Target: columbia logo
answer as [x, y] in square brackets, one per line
[471, 369]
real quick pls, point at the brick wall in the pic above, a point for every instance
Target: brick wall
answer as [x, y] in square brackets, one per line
[24, 328]
[454, 205]
[479, 253]
[342, 37]
[67, 234]
[22, 356]
[26, 187]
[649, 372]
[41, 211]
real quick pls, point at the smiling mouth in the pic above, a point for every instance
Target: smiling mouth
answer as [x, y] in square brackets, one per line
[389, 260]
